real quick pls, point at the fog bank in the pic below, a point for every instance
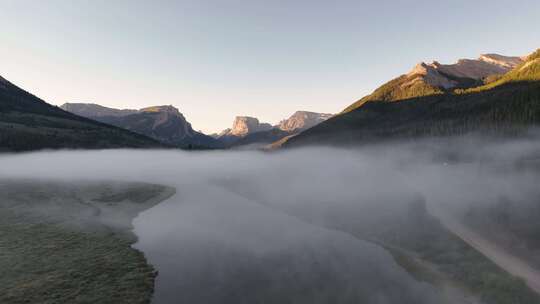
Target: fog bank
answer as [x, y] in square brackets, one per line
[291, 227]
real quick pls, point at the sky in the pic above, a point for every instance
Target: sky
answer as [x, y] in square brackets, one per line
[215, 60]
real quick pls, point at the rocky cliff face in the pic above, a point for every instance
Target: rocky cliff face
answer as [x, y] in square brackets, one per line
[247, 131]
[504, 61]
[302, 120]
[449, 76]
[244, 125]
[164, 123]
[435, 78]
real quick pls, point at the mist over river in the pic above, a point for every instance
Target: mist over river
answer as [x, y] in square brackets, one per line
[294, 226]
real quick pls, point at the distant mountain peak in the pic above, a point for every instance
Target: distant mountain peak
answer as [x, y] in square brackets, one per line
[92, 110]
[244, 125]
[504, 61]
[448, 76]
[302, 120]
[252, 134]
[164, 123]
[430, 74]
[29, 123]
[167, 109]
[527, 71]
[494, 94]
[436, 78]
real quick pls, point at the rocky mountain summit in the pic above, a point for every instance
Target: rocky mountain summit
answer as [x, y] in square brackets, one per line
[449, 76]
[248, 131]
[91, 110]
[435, 78]
[302, 120]
[166, 117]
[504, 61]
[244, 125]
[435, 100]
[164, 123]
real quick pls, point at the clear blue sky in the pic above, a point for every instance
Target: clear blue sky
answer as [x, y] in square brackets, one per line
[265, 58]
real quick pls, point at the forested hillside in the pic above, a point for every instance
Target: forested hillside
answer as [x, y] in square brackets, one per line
[29, 123]
[506, 105]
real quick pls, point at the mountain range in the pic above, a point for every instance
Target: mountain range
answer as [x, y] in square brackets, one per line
[163, 123]
[435, 78]
[249, 131]
[166, 124]
[494, 94]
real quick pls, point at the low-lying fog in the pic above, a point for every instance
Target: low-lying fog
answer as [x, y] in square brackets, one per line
[245, 226]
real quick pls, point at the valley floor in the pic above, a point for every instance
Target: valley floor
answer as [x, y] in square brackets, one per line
[66, 242]
[71, 242]
[504, 259]
[431, 250]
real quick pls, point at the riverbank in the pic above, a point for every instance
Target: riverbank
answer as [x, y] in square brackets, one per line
[70, 242]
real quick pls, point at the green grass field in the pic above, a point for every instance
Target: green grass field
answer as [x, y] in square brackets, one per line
[71, 243]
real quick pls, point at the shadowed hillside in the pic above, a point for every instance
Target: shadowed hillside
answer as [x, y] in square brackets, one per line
[29, 123]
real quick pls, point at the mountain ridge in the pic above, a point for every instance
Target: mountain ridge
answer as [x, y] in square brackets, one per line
[258, 137]
[164, 123]
[436, 78]
[29, 123]
[94, 110]
[301, 120]
[507, 105]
